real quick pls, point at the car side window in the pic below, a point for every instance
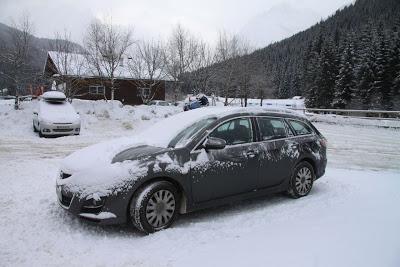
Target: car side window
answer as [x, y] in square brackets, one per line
[300, 128]
[271, 128]
[234, 132]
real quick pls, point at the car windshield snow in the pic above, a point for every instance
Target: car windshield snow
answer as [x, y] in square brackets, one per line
[186, 135]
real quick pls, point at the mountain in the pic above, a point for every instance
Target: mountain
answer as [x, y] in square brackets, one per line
[37, 55]
[278, 23]
[349, 60]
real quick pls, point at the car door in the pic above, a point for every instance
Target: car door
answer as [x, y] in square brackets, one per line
[228, 171]
[275, 161]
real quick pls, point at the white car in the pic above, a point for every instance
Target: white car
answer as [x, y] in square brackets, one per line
[55, 116]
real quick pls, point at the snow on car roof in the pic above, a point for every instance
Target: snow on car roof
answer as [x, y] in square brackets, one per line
[54, 95]
[161, 133]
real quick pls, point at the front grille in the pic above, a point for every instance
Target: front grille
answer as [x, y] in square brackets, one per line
[96, 210]
[62, 130]
[65, 200]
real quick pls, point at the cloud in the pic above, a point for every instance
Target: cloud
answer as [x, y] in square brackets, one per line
[150, 18]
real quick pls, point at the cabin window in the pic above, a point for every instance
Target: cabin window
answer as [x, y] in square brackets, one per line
[96, 89]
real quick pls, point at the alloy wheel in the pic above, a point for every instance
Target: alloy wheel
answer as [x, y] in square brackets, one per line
[303, 181]
[160, 208]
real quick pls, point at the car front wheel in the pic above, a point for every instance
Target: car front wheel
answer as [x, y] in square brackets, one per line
[40, 131]
[302, 180]
[154, 207]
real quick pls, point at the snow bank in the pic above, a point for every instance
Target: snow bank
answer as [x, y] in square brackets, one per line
[346, 120]
[98, 118]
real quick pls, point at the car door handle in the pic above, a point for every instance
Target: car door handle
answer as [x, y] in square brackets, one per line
[252, 153]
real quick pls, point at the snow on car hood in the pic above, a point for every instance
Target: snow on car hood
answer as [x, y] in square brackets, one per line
[57, 112]
[159, 134]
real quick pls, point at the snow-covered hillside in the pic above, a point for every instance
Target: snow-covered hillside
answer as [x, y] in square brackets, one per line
[351, 217]
[279, 22]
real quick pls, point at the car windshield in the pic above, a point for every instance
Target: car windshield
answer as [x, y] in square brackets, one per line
[185, 136]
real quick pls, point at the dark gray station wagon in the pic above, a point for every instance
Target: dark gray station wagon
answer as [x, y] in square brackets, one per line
[204, 158]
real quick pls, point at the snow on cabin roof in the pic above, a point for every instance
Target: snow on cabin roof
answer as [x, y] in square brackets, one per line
[75, 64]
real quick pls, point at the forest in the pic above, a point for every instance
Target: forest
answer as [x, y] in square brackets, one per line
[350, 60]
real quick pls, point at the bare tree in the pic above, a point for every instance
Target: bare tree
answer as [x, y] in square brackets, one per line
[181, 52]
[17, 56]
[229, 49]
[202, 73]
[106, 45]
[147, 67]
[244, 72]
[70, 63]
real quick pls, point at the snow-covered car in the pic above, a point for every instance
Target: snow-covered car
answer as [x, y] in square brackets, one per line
[200, 101]
[55, 116]
[190, 161]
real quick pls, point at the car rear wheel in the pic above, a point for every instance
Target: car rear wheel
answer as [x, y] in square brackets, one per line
[40, 131]
[302, 180]
[154, 207]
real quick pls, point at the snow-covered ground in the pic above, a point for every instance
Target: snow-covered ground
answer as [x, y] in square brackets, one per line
[351, 218]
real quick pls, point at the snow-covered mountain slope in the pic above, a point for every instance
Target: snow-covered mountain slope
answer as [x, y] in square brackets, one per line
[279, 22]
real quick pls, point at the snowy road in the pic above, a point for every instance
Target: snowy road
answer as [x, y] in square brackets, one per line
[351, 218]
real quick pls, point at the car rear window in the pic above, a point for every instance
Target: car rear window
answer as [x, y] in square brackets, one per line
[300, 128]
[271, 128]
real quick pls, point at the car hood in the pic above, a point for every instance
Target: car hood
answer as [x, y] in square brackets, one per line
[57, 113]
[107, 167]
[107, 153]
[137, 152]
[69, 117]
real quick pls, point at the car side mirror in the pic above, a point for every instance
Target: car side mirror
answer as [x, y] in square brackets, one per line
[214, 143]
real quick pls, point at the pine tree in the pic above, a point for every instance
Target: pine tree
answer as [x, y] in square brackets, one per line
[344, 85]
[325, 76]
[365, 69]
[394, 63]
[310, 73]
[383, 81]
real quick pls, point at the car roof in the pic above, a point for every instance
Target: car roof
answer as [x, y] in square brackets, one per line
[230, 112]
[54, 96]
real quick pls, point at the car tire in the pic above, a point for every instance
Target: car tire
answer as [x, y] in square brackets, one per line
[154, 207]
[302, 180]
[40, 132]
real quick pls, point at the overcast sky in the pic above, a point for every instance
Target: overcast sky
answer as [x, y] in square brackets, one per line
[151, 18]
